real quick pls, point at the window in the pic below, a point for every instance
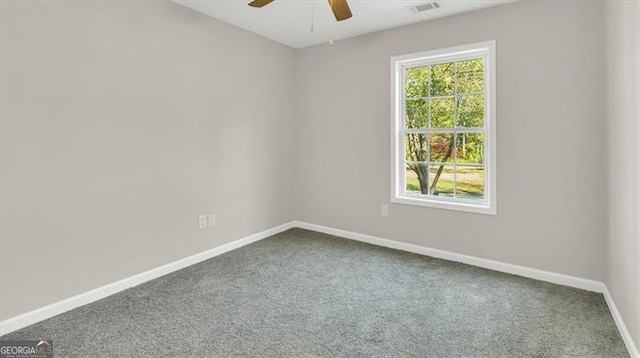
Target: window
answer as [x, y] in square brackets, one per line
[443, 128]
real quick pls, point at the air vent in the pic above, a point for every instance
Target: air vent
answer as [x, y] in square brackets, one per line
[424, 7]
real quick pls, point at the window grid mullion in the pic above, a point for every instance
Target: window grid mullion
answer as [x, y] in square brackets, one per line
[429, 128]
[428, 125]
[469, 130]
[430, 163]
[455, 125]
[443, 96]
[404, 126]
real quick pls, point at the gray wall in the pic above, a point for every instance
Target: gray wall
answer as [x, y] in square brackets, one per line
[623, 114]
[551, 142]
[121, 123]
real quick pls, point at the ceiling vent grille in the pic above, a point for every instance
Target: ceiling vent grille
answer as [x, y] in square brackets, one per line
[424, 7]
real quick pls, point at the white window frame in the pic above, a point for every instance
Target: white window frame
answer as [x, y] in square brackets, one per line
[486, 50]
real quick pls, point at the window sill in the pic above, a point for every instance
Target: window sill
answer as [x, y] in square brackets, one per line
[481, 208]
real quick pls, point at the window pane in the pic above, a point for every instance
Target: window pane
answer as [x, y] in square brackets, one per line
[442, 112]
[416, 113]
[442, 79]
[470, 76]
[469, 148]
[471, 111]
[470, 182]
[416, 82]
[417, 178]
[416, 147]
[440, 146]
[441, 180]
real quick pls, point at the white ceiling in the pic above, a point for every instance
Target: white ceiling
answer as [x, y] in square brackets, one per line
[289, 21]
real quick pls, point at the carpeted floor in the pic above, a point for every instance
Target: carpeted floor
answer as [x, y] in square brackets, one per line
[306, 294]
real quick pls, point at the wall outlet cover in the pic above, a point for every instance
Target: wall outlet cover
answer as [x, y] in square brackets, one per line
[202, 222]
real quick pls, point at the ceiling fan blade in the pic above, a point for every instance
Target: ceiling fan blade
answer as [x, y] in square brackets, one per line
[340, 9]
[259, 3]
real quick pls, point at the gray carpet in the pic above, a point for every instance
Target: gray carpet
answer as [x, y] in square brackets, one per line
[305, 294]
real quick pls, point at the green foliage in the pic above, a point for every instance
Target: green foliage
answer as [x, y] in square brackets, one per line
[417, 113]
[442, 112]
[416, 83]
[470, 148]
[442, 79]
[471, 111]
[470, 182]
[470, 76]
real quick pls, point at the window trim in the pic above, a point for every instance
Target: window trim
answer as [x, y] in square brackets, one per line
[399, 195]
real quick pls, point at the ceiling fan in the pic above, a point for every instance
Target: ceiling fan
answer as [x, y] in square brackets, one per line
[340, 8]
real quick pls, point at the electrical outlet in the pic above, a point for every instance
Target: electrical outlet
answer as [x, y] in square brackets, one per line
[211, 221]
[384, 210]
[202, 222]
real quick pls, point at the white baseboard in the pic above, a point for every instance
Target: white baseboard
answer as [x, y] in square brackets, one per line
[547, 276]
[565, 280]
[37, 315]
[624, 332]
